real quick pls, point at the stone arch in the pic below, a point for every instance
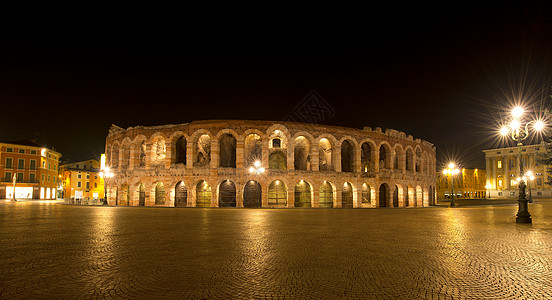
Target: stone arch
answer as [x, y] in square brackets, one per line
[277, 160]
[409, 159]
[278, 131]
[227, 194]
[383, 198]
[140, 151]
[366, 194]
[178, 147]
[108, 155]
[398, 161]
[367, 158]
[277, 194]
[347, 156]
[397, 195]
[347, 195]
[326, 195]
[384, 155]
[204, 194]
[202, 148]
[227, 150]
[326, 152]
[253, 149]
[419, 160]
[125, 153]
[158, 149]
[180, 194]
[124, 194]
[141, 194]
[419, 196]
[303, 194]
[302, 151]
[252, 194]
[159, 193]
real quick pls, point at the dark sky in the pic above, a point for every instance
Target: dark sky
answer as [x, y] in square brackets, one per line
[442, 74]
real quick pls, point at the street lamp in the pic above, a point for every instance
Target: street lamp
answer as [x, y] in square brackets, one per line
[489, 187]
[104, 174]
[518, 132]
[451, 171]
[14, 184]
[256, 168]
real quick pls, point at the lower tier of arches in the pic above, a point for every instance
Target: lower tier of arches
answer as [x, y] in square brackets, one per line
[263, 192]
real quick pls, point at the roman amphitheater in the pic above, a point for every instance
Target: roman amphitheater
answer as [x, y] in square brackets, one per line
[234, 163]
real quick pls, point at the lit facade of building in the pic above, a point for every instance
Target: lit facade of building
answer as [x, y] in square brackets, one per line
[81, 180]
[35, 169]
[503, 171]
[468, 184]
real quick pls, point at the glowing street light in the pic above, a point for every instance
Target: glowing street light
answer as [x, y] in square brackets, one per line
[451, 171]
[518, 132]
[489, 187]
[256, 168]
[105, 172]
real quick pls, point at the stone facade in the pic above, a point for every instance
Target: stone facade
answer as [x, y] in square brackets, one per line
[238, 163]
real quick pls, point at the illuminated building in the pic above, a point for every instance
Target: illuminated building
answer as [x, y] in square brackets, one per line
[503, 171]
[468, 184]
[35, 168]
[81, 180]
[237, 163]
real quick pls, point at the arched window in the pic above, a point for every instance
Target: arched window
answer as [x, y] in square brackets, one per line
[227, 152]
[366, 194]
[347, 156]
[202, 151]
[347, 196]
[203, 194]
[326, 195]
[227, 194]
[366, 158]
[325, 155]
[252, 194]
[277, 160]
[302, 194]
[160, 193]
[180, 150]
[396, 196]
[383, 195]
[301, 151]
[253, 149]
[277, 194]
[180, 195]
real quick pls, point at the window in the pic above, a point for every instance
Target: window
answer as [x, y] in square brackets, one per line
[21, 150]
[9, 150]
[500, 193]
[539, 193]
[77, 167]
[48, 178]
[33, 151]
[19, 177]
[32, 177]
[21, 163]
[43, 177]
[78, 184]
[43, 164]
[49, 166]
[276, 143]
[87, 176]
[500, 183]
[79, 176]
[32, 166]
[8, 176]
[87, 185]
[539, 181]
[499, 163]
[9, 162]
[512, 193]
[95, 184]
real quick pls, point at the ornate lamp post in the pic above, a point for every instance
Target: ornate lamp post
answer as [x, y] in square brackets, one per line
[451, 171]
[104, 174]
[518, 132]
[489, 187]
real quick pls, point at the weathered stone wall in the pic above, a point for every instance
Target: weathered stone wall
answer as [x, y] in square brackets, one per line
[145, 156]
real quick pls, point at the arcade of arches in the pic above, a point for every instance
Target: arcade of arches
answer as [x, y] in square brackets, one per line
[206, 164]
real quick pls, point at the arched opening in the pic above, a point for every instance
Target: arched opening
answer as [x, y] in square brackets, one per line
[252, 195]
[159, 152]
[227, 194]
[366, 162]
[277, 160]
[227, 147]
[180, 150]
[301, 150]
[418, 160]
[325, 155]
[409, 160]
[326, 195]
[382, 195]
[431, 195]
[252, 149]
[142, 154]
[366, 194]
[142, 195]
[180, 195]
[159, 193]
[124, 195]
[347, 196]
[406, 196]
[277, 194]
[203, 151]
[419, 196]
[203, 194]
[383, 159]
[396, 196]
[302, 194]
[347, 156]
[125, 155]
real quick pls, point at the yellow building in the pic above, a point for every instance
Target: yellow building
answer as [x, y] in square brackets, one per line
[81, 181]
[468, 184]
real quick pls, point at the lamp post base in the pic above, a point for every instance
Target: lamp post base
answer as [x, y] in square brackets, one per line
[523, 215]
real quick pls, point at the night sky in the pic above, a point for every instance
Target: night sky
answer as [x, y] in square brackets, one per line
[443, 75]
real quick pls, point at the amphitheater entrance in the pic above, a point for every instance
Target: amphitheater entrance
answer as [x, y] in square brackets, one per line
[160, 193]
[366, 194]
[142, 195]
[180, 195]
[347, 196]
[326, 195]
[203, 194]
[227, 194]
[383, 195]
[277, 194]
[302, 194]
[396, 196]
[252, 195]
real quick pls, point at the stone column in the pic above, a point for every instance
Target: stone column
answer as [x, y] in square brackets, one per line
[290, 196]
[315, 201]
[168, 156]
[264, 193]
[189, 154]
[357, 161]
[337, 154]
[315, 158]
[239, 192]
[215, 154]
[290, 151]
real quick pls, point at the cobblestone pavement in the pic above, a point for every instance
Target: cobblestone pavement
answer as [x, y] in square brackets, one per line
[51, 250]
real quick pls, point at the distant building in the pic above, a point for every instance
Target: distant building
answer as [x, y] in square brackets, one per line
[81, 180]
[503, 171]
[468, 184]
[35, 169]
